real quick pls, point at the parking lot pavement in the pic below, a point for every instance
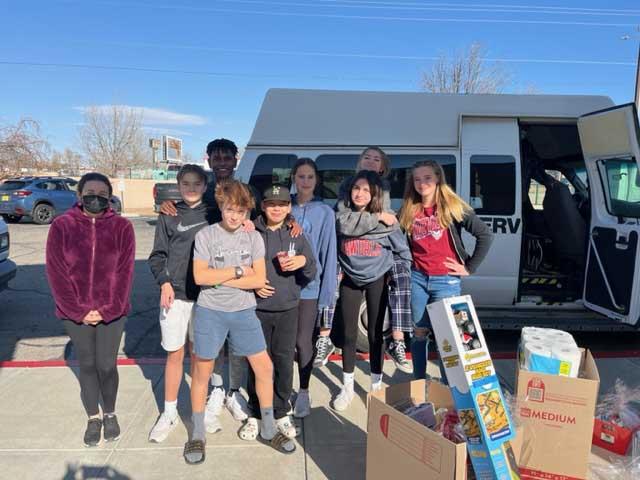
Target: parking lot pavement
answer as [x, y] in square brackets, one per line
[29, 329]
[43, 423]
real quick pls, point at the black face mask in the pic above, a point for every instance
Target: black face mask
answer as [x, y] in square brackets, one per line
[95, 203]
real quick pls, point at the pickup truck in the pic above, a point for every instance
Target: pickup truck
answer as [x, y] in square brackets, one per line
[7, 267]
[165, 191]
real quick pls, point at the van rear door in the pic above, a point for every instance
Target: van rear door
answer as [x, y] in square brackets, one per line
[611, 151]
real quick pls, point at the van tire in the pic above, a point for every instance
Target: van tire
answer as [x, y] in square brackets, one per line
[43, 214]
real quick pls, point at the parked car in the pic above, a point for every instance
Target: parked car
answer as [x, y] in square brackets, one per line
[41, 198]
[7, 267]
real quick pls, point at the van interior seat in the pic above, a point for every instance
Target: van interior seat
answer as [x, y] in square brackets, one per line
[565, 224]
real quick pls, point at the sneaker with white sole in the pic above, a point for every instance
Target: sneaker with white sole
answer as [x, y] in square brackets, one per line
[397, 350]
[216, 401]
[237, 405]
[344, 399]
[287, 427]
[376, 387]
[163, 427]
[302, 408]
[324, 348]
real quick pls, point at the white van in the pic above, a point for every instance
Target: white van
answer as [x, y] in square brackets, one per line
[554, 176]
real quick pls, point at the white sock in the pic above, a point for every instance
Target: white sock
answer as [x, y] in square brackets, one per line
[216, 380]
[303, 391]
[376, 378]
[347, 380]
[171, 408]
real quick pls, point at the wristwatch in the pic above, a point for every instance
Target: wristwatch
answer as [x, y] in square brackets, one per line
[239, 272]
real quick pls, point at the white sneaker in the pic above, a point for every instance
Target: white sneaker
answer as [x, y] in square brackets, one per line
[344, 399]
[375, 387]
[302, 408]
[163, 427]
[237, 405]
[212, 422]
[287, 428]
[216, 401]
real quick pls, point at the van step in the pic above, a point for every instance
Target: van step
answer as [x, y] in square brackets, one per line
[577, 320]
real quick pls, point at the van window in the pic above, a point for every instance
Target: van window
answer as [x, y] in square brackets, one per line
[493, 184]
[335, 168]
[622, 187]
[271, 168]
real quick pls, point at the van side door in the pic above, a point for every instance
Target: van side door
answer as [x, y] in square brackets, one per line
[491, 184]
[611, 151]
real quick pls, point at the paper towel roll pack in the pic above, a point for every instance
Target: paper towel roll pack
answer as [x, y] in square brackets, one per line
[551, 351]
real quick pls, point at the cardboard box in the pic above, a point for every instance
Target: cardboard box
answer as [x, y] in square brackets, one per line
[612, 437]
[475, 388]
[557, 418]
[398, 446]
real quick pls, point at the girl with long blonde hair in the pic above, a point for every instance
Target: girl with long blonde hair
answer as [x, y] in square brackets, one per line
[433, 217]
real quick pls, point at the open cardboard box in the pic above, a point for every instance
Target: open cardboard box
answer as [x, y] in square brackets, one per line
[395, 440]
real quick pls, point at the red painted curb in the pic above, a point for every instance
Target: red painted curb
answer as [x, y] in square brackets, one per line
[361, 356]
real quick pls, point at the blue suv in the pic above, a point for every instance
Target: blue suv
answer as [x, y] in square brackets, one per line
[41, 198]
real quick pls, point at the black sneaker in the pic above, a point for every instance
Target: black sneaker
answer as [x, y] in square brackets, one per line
[92, 433]
[398, 353]
[111, 428]
[324, 348]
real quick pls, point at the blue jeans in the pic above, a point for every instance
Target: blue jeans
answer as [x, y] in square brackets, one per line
[427, 289]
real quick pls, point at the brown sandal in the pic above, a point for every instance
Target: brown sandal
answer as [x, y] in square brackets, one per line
[278, 442]
[194, 447]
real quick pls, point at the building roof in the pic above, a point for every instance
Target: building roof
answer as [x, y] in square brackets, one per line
[296, 117]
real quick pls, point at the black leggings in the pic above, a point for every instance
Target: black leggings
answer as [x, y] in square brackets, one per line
[96, 348]
[350, 300]
[307, 317]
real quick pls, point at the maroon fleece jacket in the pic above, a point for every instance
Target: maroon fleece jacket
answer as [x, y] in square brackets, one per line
[90, 264]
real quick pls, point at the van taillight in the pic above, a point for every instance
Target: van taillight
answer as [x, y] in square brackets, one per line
[155, 191]
[22, 193]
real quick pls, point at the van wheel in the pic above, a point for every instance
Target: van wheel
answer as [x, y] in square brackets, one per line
[43, 214]
[362, 343]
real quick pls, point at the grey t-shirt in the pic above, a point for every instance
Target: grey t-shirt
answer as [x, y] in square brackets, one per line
[222, 249]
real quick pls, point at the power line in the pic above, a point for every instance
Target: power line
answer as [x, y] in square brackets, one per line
[359, 17]
[198, 72]
[356, 55]
[440, 7]
[483, 5]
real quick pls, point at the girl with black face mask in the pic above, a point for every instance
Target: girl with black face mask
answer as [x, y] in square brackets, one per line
[89, 264]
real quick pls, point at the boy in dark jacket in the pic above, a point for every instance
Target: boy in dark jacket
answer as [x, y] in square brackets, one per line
[290, 266]
[171, 264]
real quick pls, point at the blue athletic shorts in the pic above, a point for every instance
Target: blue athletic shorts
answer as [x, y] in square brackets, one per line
[212, 327]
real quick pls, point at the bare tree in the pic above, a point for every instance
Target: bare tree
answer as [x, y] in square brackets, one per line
[466, 72]
[112, 138]
[22, 146]
[66, 161]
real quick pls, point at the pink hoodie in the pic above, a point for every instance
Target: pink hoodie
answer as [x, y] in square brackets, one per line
[90, 264]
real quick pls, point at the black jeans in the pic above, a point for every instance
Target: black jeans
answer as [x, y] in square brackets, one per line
[280, 329]
[307, 318]
[96, 348]
[377, 301]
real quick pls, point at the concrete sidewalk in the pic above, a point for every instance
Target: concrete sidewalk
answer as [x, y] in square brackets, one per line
[42, 425]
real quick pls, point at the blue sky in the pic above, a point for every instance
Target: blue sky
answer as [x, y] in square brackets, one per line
[201, 69]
